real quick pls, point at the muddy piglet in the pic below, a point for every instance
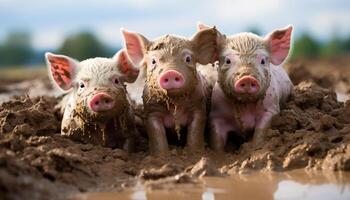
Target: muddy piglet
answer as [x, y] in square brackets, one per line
[251, 85]
[175, 95]
[97, 108]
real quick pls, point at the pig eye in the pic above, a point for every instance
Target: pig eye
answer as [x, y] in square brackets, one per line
[116, 81]
[188, 59]
[81, 85]
[153, 61]
[227, 61]
[263, 61]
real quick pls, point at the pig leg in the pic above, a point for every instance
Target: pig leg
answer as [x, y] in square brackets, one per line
[129, 145]
[218, 134]
[195, 133]
[157, 135]
[261, 126]
[133, 133]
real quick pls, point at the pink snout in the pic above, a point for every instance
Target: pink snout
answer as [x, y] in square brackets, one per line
[101, 102]
[171, 79]
[247, 84]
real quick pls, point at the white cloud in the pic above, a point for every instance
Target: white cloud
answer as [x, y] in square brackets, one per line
[157, 17]
[47, 39]
[109, 32]
[326, 24]
[237, 10]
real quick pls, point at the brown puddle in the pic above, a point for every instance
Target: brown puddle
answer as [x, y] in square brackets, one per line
[296, 184]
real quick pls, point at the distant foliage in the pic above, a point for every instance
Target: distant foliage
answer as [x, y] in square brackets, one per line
[346, 44]
[305, 47]
[254, 30]
[16, 49]
[333, 47]
[82, 46]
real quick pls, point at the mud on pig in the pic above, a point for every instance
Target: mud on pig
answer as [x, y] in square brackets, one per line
[176, 94]
[97, 108]
[251, 85]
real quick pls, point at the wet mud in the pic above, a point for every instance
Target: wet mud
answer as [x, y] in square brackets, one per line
[311, 133]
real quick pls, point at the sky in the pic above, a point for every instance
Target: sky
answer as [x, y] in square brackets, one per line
[50, 21]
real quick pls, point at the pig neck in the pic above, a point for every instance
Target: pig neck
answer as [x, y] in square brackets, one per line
[232, 109]
[87, 122]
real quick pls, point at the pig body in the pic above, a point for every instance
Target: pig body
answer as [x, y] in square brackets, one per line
[97, 108]
[175, 95]
[251, 86]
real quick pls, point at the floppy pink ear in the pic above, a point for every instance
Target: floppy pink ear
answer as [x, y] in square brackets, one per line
[135, 45]
[62, 70]
[201, 26]
[127, 69]
[279, 44]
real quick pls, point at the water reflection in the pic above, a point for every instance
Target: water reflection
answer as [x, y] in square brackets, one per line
[342, 97]
[293, 190]
[264, 186]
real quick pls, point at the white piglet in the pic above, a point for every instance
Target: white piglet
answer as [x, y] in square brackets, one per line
[251, 85]
[97, 109]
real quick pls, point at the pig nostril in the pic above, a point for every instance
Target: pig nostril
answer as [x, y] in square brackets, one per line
[166, 80]
[253, 85]
[177, 79]
[243, 85]
[96, 103]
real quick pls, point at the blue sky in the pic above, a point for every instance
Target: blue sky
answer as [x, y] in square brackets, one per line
[49, 21]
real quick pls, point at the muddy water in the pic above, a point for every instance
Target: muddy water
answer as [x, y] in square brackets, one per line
[296, 184]
[342, 97]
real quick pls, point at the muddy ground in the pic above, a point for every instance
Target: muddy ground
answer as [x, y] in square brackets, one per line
[312, 132]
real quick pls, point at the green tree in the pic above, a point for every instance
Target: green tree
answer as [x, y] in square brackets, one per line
[346, 44]
[305, 47]
[333, 47]
[82, 46]
[16, 49]
[254, 30]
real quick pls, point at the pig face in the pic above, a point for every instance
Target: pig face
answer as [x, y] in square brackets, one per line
[245, 60]
[96, 84]
[170, 61]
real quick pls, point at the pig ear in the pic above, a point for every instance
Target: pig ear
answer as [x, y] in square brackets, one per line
[201, 26]
[61, 69]
[278, 43]
[135, 45]
[205, 43]
[126, 67]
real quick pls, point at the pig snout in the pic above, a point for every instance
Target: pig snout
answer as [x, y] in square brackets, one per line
[101, 102]
[171, 79]
[247, 84]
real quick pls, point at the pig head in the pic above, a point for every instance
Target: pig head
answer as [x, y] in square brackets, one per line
[97, 108]
[175, 94]
[251, 84]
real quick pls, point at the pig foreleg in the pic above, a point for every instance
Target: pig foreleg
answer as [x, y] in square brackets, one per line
[262, 124]
[157, 136]
[218, 134]
[195, 134]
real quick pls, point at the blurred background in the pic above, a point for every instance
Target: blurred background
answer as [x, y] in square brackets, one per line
[85, 28]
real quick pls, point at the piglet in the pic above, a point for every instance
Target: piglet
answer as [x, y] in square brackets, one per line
[175, 95]
[251, 85]
[97, 108]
